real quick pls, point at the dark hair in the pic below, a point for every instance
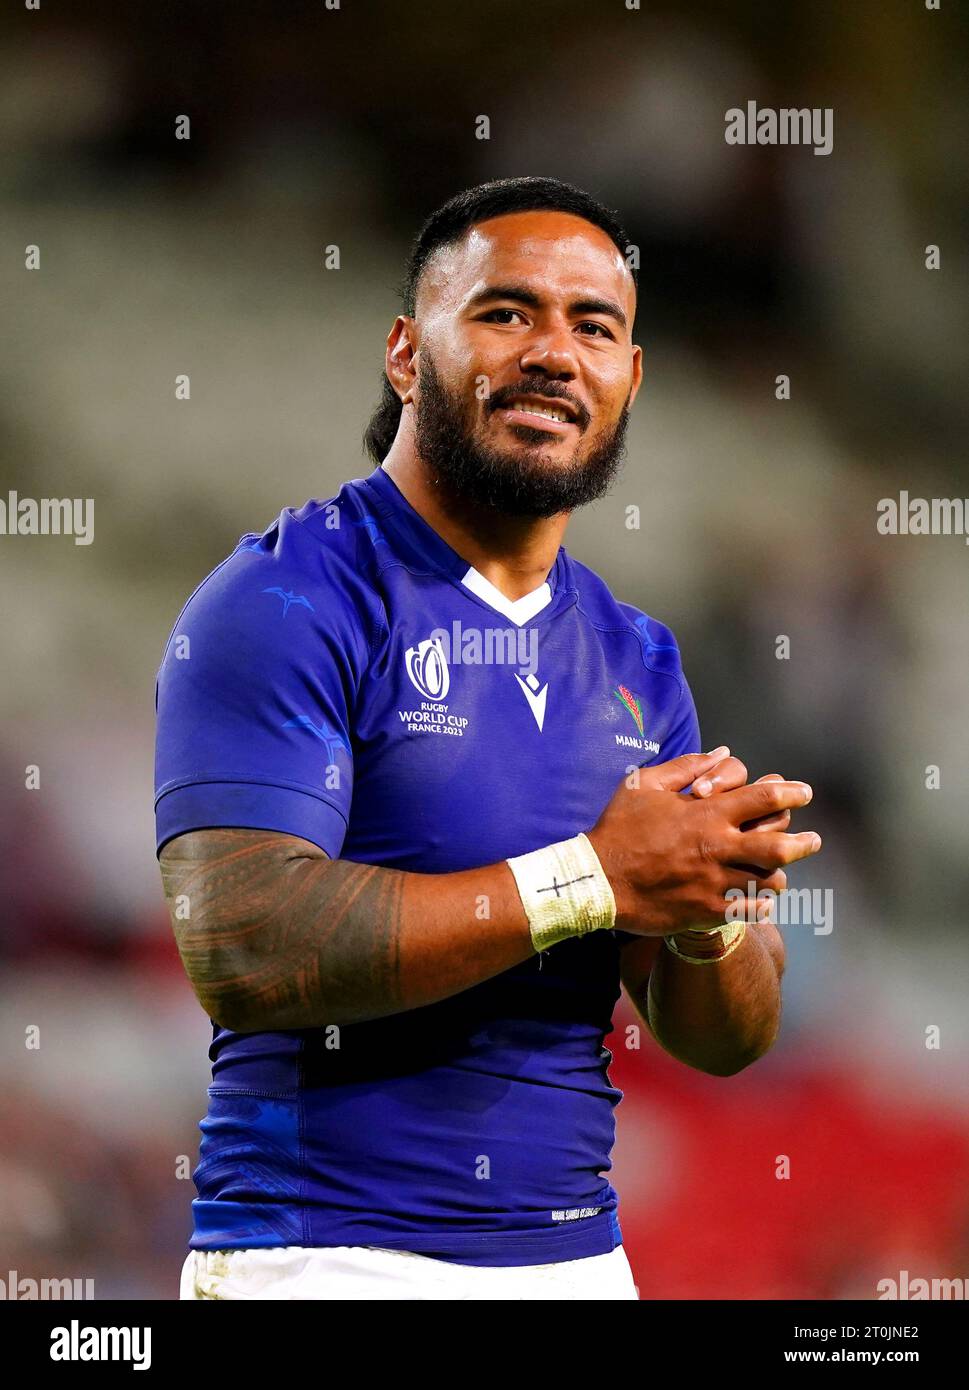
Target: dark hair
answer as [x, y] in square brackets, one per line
[447, 225]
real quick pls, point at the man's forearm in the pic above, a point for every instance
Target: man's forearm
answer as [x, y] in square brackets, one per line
[718, 1017]
[274, 935]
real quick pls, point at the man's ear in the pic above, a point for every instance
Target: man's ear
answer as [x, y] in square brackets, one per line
[400, 364]
[639, 363]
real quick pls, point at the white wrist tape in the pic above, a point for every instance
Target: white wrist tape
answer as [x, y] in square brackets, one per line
[564, 891]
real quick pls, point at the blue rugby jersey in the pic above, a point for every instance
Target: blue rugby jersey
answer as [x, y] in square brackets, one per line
[347, 678]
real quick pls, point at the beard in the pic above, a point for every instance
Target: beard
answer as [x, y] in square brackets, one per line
[520, 482]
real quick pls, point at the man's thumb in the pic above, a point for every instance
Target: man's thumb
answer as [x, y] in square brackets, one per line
[681, 772]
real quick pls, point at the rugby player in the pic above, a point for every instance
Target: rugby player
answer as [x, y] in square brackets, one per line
[407, 883]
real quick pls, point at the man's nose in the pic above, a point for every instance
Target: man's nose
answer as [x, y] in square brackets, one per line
[552, 353]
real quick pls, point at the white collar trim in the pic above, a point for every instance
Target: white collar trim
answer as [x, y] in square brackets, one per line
[519, 610]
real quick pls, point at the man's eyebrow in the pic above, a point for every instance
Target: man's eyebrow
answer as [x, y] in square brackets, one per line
[524, 295]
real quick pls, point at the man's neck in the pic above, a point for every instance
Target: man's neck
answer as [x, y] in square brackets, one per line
[515, 553]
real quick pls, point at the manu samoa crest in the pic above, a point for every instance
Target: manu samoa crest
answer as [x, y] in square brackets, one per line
[633, 707]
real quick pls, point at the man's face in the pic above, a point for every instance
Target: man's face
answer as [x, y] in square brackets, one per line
[525, 364]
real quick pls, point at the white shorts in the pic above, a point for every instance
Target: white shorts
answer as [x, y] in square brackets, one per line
[370, 1272]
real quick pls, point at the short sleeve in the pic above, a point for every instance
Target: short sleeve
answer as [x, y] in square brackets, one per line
[684, 734]
[253, 702]
[661, 653]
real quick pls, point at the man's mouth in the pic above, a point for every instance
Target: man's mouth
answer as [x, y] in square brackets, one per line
[540, 412]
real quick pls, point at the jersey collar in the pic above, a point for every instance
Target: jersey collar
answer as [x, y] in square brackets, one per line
[431, 548]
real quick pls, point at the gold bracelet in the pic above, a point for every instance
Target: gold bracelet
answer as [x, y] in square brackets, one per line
[731, 936]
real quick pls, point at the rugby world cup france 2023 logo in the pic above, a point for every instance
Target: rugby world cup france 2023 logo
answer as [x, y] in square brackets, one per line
[428, 669]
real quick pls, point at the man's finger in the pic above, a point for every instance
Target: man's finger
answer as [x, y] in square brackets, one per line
[780, 821]
[772, 851]
[724, 777]
[680, 772]
[742, 875]
[763, 799]
[774, 822]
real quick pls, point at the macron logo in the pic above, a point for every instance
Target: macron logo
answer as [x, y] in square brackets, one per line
[536, 698]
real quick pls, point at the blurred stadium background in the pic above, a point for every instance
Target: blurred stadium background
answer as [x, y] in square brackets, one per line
[313, 127]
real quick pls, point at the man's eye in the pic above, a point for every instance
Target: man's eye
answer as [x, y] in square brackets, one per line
[590, 323]
[492, 312]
